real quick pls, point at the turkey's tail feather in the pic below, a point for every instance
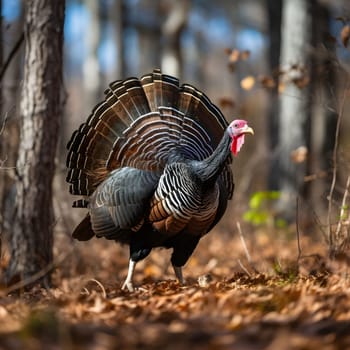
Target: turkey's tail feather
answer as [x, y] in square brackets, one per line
[84, 232]
[141, 124]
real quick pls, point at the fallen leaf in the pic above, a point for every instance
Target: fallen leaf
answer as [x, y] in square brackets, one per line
[204, 280]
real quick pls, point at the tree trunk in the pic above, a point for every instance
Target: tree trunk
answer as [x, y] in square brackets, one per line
[91, 67]
[172, 30]
[274, 9]
[324, 115]
[31, 238]
[2, 182]
[293, 110]
[118, 20]
[9, 119]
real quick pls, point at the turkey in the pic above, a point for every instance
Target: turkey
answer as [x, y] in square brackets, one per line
[152, 166]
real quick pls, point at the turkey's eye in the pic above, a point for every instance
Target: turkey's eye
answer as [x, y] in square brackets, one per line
[236, 125]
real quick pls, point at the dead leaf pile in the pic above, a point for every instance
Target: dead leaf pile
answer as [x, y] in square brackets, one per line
[221, 306]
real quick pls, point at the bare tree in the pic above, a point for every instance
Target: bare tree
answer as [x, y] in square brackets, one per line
[293, 111]
[274, 9]
[91, 66]
[117, 18]
[10, 77]
[2, 187]
[171, 35]
[324, 92]
[31, 238]
[149, 34]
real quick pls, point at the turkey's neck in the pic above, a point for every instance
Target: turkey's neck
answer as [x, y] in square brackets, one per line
[210, 168]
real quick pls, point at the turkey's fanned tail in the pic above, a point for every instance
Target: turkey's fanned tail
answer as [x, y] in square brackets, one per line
[140, 124]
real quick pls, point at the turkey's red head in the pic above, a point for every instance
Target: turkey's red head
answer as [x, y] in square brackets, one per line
[237, 129]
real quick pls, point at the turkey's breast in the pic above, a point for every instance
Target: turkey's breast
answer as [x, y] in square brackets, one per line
[182, 203]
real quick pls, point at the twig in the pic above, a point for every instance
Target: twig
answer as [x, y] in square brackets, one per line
[243, 243]
[3, 124]
[297, 228]
[244, 268]
[249, 259]
[342, 209]
[11, 55]
[335, 165]
[100, 285]
[318, 222]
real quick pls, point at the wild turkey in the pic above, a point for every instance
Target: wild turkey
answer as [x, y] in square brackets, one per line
[152, 163]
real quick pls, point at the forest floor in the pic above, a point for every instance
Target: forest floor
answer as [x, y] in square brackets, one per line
[274, 301]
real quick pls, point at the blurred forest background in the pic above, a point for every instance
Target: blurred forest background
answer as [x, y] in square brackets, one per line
[283, 66]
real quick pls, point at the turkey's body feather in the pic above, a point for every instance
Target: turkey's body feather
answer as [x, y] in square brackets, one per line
[181, 203]
[140, 163]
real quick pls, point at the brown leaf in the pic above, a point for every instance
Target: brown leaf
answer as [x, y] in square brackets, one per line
[205, 280]
[340, 19]
[232, 66]
[3, 312]
[227, 50]
[299, 155]
[302, 81]
[226, 102]
[330, 38]
[248, 82]
[266, 81]
[345, 35]
[245, 55]
[281, 87]
[234, 56]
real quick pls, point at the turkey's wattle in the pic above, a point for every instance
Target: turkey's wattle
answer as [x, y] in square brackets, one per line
[153, 165]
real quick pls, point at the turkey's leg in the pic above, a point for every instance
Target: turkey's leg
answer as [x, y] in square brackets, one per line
[178, 274]
[129, 278]
[184, 246]
[137, 253]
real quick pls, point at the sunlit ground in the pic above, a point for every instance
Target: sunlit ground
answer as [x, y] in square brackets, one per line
[271, 301]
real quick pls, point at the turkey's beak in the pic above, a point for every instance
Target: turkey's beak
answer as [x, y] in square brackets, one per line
[247, 130]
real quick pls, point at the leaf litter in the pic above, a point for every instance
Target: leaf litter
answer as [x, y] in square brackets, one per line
[280, 304]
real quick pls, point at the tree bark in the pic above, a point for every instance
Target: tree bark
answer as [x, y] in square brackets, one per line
[118, 20]
[274, 9]
[91, 66]
[293, 110]
[324, 89]
[32, 232]
[2, 185]
[9, 119]
[171, 35]
[149, 40]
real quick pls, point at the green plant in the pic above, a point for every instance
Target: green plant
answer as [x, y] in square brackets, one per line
[261, 212]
